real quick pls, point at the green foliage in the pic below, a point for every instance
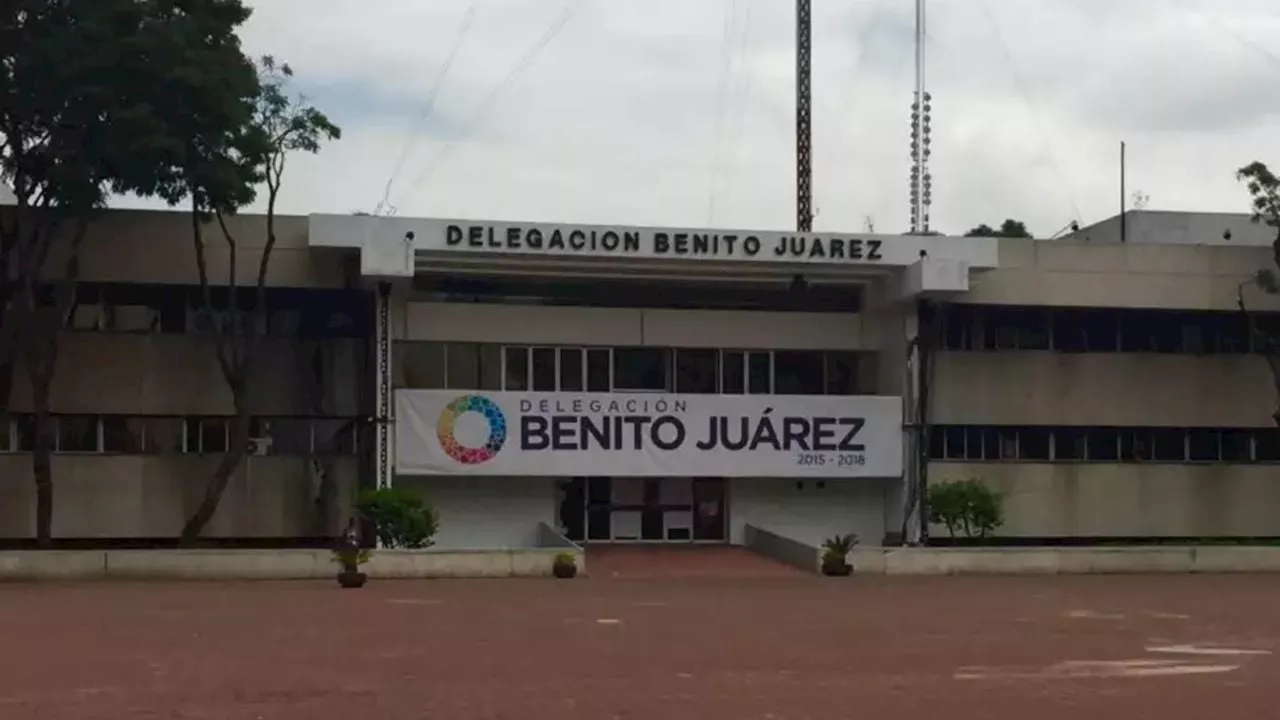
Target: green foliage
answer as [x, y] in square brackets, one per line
[968, 506]
[838, 547]
[351, 557]
[1264, 193]
[399, 516]
[1009, 228]
[566, 558]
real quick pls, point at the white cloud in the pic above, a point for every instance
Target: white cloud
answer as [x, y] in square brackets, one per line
[616, 119]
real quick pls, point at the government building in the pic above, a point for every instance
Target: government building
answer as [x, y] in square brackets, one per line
[666, 385]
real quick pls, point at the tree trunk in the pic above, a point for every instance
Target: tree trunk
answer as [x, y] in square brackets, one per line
[237, 449]
[312, 371]
[41, 462]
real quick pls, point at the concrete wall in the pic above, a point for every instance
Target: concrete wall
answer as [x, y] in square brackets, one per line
[156, 247]
[802, 511]
[151, 497]
[1101, 389]
[158, 378]
[1100, 500]
[539, 325]
[1083, 274]
[488, 512]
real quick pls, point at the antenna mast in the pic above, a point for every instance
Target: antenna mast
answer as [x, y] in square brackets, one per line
[921, 114]
[804, 127]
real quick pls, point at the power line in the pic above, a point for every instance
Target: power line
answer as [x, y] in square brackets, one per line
[428, 105]
[1196, 10]
[1025, 92]
[526, 61]
[722, 84]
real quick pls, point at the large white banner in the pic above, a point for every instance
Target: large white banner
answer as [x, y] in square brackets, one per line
[566, 434]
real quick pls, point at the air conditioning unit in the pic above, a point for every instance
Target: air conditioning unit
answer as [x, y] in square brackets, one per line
[260, 446]
[86, 317]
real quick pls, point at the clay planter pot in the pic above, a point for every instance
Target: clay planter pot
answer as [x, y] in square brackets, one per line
[352, 578]
[564, 571]
[837, 569]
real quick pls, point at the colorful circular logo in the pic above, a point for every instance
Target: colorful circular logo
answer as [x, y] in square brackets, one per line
[497, 429]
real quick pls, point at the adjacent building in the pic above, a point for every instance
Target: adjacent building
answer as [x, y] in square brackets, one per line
[666, 385]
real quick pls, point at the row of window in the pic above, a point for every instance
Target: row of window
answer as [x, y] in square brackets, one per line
[181, 309]
[158, 435]
[988, 327]
[649, 293]
[1104, 444]
[485, 366]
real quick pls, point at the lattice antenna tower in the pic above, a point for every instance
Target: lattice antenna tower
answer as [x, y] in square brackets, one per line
[921, 118]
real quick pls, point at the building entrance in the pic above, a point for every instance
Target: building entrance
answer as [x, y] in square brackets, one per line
[644, 510]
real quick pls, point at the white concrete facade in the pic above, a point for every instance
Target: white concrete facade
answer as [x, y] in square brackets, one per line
[1104, 387]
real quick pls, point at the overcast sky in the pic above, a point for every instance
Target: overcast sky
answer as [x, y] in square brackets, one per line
[674, 112]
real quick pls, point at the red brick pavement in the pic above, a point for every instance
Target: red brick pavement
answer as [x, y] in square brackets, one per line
[696, 561]
[776, 648]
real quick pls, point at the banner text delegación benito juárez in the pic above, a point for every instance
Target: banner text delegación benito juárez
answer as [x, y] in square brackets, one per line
[570, 434]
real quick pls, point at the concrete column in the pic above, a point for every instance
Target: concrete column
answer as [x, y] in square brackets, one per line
[384, 459]
[892, 325]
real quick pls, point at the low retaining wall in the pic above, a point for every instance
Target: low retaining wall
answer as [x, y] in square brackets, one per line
[1068, 560]
[271, 564]
[536, 562]
[783, 549]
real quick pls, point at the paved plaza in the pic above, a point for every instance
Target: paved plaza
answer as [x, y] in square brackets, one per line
[740, 648]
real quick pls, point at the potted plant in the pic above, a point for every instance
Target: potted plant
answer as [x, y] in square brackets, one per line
[565, 566]
[835, 555]
[350, 556]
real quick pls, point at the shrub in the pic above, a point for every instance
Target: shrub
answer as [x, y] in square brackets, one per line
[400, 517]
[967, 506]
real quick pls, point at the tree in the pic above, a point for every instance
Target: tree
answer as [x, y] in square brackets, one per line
[1264, 193]
[223, 179]
[1009, 228]
[96, 97]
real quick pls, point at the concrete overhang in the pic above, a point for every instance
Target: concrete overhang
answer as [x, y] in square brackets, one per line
[394, 248]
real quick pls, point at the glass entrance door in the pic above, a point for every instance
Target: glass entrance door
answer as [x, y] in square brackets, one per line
[644, 510]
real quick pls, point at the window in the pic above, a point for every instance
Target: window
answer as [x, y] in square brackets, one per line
[599, 370]
[205, 436]
[122, 434]
[545, 374]
[1034, 443]
[1069, 444]
[573, 371]
[162, 435]
[462, 366]
[841, 373]
[1135, 445]
[515, 369]
[1015, 328]
[1237, 446]
[1204, 445]
[335, 436]
[696, 371]
[1266, 445]
[78, 434]
[733, 377]
[641, 369]
[420, 365]
[798, 372]
[1168, 444]
[1102, 444]
[759, 373]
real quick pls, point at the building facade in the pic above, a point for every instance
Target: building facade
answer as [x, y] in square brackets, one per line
[665, 385]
